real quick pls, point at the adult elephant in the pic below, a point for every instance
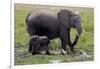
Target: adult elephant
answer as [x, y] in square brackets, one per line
[54, 25]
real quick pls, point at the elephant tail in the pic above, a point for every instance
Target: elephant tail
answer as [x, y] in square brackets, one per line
[26, 20]
[28, 25]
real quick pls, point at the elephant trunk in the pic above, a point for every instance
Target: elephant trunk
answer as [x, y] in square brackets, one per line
[79, 30]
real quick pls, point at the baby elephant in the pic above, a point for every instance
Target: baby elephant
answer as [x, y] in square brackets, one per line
[39, 43]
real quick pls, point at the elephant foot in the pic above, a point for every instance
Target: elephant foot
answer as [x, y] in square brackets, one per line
[63, 52]
[29, 51]
[47, 52]
[34, 53]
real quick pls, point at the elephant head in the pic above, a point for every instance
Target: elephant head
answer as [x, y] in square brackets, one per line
[70, 19]
[76, 23]
[34, 42]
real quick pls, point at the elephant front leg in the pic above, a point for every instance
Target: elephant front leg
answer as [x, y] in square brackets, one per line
[64, 49]
[64, 40]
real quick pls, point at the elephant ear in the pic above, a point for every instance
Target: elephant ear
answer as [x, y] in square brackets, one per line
[64, 17]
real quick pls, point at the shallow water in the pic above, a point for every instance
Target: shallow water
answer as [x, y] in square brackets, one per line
[23, 57]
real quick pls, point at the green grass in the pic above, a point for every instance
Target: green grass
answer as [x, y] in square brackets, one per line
[85, 43]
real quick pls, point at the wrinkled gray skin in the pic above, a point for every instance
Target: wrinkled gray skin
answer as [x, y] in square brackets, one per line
[54, 25]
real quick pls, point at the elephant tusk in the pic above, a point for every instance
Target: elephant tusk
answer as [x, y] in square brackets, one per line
[34, 36]
[31, 37]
